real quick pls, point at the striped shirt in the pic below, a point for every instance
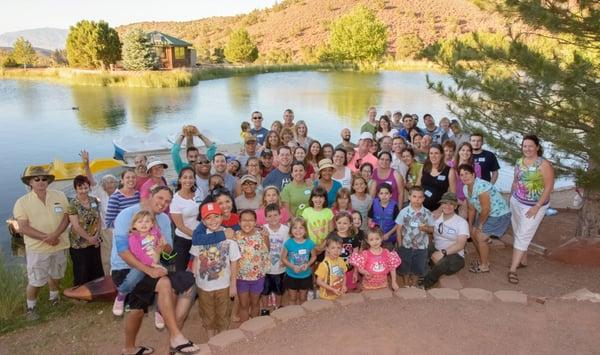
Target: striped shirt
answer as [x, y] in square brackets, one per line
[118, 202]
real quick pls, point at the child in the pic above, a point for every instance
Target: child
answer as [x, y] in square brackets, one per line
[376, 262]
[318, 219]
[347, 232]
[146, 244]
[357, 222]
[278, 235]
[342, 202]
[271, 195]
[245, 131]
[383, 214]
[331, 273]
[298, 255]
[415, 224]
[360, 199]
[253, 265]
[215, 267]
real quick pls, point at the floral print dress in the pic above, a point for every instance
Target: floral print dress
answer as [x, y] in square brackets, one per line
[89, 219]
[255, 260]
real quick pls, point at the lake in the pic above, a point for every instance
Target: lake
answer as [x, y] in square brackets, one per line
[39, 124]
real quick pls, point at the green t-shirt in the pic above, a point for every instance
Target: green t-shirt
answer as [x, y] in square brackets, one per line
[368, 127]
[296, 197]
[414, 173]
[318, 223]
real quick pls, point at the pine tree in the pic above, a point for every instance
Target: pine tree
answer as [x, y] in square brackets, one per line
[92, 45]
[138, 52]
[545, 81]
[240, 48]
[23, 52]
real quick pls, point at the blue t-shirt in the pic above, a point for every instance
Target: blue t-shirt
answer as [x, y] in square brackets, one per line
[498, 205]
[121, 234]
[298, 254]
[332, 193]
[278, 179]
[260, 134]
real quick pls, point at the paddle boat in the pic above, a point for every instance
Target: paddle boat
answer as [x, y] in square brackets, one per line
[143, 143]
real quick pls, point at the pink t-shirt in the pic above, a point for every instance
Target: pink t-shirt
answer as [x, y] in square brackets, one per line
[261, 220]
[357, 162]
[147, 186]
[378, 267]
[144, 247]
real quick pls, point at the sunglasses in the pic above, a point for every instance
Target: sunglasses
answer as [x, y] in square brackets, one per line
[38, 179]
[257, 118]
[357, 163]
[203, 162]
[168, 256]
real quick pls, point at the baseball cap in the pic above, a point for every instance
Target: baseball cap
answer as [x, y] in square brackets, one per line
[210, 208]
[366, 135]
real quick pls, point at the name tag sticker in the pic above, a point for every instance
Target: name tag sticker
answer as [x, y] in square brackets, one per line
[58, 209]
[451, 231]
[428, 193]
[415, 224]
[441, 177]
[94, 205]
[482, 160]
[302, 251]
[531, 169]
[307, 192]
[336, 270]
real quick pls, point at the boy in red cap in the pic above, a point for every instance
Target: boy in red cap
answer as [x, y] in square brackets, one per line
[215, 269]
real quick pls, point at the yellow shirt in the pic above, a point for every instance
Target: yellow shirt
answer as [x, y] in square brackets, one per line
[43, 217]
[332, 271]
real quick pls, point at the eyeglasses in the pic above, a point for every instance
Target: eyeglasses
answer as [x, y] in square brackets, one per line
[257, 118]
[203, 162]
[38, 179]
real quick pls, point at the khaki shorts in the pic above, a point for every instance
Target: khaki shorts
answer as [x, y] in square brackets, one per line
[44, 266]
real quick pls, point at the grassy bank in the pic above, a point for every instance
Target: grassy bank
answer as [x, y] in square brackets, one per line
[182, 78]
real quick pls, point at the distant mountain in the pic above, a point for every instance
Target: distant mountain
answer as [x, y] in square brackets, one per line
[46, 38]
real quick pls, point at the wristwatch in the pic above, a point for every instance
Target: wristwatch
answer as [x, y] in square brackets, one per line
[444, 252]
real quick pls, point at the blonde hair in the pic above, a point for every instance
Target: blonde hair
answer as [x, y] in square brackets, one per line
[264, 195]
[141, 215]
[301, 221]
[343, 193]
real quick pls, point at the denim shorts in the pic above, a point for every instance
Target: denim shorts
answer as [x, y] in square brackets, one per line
[253, 286]
[413, 261]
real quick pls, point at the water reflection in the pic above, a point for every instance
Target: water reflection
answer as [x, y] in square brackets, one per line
[147, 106]
[98, 109]
[350, 94]
[239, 91]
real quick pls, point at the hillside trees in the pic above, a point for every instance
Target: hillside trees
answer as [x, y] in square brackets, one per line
[138, 53]
[92, 45]
[240, 48]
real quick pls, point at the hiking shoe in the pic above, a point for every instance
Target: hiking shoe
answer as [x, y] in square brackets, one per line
[118, 307]
[31, 314]
[159, 322]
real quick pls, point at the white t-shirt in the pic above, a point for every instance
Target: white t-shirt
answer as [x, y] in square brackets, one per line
[346, 181]
[399, 166]
[451, 230]
[276, 240]
[214, 270]
[188, 209]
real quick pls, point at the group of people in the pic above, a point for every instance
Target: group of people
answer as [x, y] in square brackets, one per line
[250, 232]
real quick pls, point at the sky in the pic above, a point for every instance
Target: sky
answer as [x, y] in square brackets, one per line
[28, 14]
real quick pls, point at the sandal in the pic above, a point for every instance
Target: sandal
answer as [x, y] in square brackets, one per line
[179, 349]
[142, 350]
[477, 269]
[513, 278]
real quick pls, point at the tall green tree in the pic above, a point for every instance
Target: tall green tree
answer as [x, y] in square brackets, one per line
[240, 48]
[138, 52]
[358, 36]
[23, 53]
[544, 81]
[92, 45]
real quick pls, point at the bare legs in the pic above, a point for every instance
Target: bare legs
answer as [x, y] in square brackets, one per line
[483, 249]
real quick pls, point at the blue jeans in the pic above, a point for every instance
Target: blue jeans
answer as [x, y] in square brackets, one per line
[131, 280]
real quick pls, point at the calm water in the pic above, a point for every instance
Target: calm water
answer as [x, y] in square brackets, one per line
[38, 124]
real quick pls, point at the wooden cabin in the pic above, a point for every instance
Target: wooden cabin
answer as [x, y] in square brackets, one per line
[172, 52]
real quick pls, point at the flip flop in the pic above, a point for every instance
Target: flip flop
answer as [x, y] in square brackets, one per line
[521, 266]
[179, 349]
[513, 278]
[477, 269]
[142, 350]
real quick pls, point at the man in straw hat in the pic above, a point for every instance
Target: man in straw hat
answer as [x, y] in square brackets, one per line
[450, 234]
[42, 218]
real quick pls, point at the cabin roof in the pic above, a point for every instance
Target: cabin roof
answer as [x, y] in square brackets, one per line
[162, 39]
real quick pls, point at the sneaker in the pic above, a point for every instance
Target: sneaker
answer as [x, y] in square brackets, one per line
[31, 314]
[159, 322]
[54, 302]
[118, 307]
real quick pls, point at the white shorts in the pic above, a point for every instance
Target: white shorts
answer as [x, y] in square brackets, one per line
[524, 228]
[44, 266]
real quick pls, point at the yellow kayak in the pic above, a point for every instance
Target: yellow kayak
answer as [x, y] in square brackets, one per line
[68, 171]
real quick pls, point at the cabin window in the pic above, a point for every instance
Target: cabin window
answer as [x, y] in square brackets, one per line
[179, 53]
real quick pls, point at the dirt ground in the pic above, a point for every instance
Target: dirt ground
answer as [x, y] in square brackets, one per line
[392, 326]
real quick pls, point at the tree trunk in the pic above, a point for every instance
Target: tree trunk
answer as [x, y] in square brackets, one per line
[588, 225]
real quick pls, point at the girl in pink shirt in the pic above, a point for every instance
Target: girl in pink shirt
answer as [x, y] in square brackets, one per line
[376, 262]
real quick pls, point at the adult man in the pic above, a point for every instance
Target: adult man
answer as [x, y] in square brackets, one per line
[288, 118]
[450, 234]
[192, 154]
[397, 123]
[249, 198]
[156, 280]
[42, 218]
[249, 152]
[398, 144]
[385, 144]
[432, 130]
[280, 176]
[362, 154]
[202, 169]
[458, 136]
[408, 121]
[346, 135]
[220, 166]
[258, 130]
[371, 125]
[486, 159]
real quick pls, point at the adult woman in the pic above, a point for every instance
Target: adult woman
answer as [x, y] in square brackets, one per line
[327, 151]
[156, 172]
[415, 169]
[301, 135]
[253, 169]
[445, 127]
[325, 181]
[437, 179]
[385, 173]
[276, 127]
[449, 150]
[233, 167]
[341, 172]
[271, 195]
[309, 171]
[84, 215]
[222, 197]
[384, 128]
[287, 138]
[464, 155]
[314, 154]
[366, 171]
[272, 143]
[184, 213]
[531, 189]
[295, 195]
[141, 171]
[488, 214]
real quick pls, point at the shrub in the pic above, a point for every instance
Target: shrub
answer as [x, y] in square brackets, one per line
[240, 48]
